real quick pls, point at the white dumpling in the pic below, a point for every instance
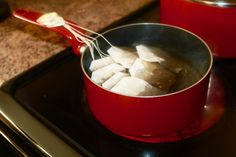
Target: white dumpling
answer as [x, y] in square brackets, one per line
[153, 73]
[101, 75]
[122, 56]
[148, 54]
[133, 86]
[170, 61]
[99, 63]
[113, 80]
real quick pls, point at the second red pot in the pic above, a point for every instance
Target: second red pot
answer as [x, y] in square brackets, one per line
[212, 20]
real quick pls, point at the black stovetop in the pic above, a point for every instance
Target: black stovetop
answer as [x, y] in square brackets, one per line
[53, 92]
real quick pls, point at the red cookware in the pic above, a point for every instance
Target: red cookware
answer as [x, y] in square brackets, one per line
[212, 20]
[144, 116]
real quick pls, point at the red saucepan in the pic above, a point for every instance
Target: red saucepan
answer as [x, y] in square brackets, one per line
[144, 116]
[212, 20]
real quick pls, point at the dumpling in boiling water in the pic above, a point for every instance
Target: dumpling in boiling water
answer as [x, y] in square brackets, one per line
[153, 73]
[147, 54]
[122, 56]
[135, 87]
[101, 75]
[169, 61]
[99, 63]
[113, 80]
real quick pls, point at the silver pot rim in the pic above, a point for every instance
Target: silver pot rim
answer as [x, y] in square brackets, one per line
[218, 3]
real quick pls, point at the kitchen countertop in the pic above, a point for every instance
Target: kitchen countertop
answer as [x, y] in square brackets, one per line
[23, 45]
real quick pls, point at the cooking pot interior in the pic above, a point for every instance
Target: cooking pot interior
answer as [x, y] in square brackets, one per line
[174, 41]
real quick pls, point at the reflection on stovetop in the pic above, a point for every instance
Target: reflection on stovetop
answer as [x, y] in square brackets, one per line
[53, 91]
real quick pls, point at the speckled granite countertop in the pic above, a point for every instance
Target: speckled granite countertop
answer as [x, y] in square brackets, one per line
[23, 45]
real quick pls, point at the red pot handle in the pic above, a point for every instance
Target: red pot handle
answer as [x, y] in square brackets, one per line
[32, 16]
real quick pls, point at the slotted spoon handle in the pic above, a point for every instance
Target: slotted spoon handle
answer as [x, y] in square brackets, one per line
[32, 16]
